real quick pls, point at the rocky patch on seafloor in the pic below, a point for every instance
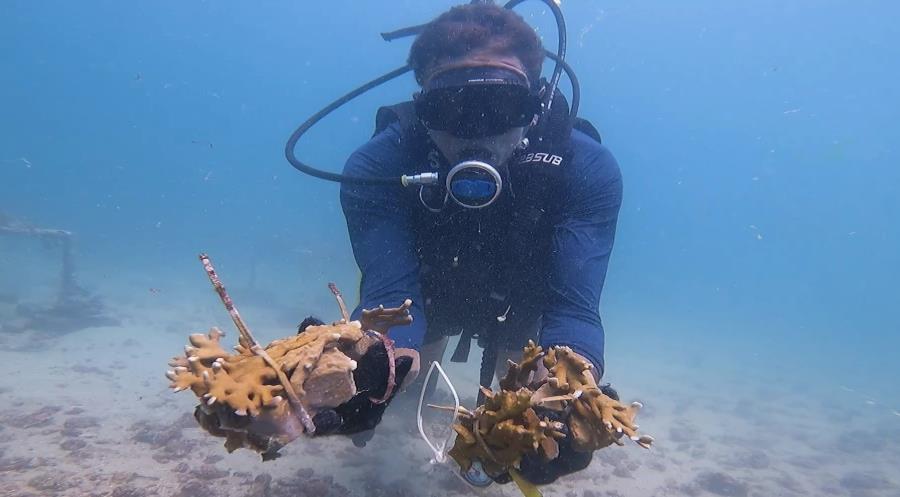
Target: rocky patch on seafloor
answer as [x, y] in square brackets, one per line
[715, 483]
[37, 418]
[864, 441]
[302, 483]
[17, 464]
[53, 482]
[618, 464]
[167, 440]
[748, 459]
[375, 486]
[865, 483]
[122, 484]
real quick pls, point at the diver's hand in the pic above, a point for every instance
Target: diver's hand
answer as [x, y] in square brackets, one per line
[362, 413]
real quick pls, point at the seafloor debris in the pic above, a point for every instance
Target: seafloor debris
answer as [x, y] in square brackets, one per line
[263, 398]
[510, 425]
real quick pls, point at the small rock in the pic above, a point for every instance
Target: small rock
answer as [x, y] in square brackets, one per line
[752, 459]
[194, 489]
[70, 432]
[129, 491]
[81, 422]
[261, 486]
[16, 464]
[721, 484]
[182, 467]
[622, 471]
[305, 473]
[81, 368]
[52, 482]
[209, 472]
[73, 444]
[39, 418]
[864, 482]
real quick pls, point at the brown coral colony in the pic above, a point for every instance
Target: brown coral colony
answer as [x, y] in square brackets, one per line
[507, 427]
[263, 398]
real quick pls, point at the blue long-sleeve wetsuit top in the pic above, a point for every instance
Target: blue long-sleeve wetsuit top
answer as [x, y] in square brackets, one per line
[449, 262]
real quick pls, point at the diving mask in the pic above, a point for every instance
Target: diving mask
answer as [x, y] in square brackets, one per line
[477, 102]
[477, 117]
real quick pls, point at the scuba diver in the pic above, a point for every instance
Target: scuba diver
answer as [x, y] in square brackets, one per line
[484, 200]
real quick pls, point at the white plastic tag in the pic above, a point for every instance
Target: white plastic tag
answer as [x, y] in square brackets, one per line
[438, 447]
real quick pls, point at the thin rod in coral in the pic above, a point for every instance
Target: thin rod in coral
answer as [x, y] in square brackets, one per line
[340, 300]
[226, 299]
[255, 347]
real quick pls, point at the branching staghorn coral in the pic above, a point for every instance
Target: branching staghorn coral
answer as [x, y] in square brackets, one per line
[507, 426]
[264, 397]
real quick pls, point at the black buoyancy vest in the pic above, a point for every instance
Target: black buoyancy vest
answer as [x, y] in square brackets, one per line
[549, 141]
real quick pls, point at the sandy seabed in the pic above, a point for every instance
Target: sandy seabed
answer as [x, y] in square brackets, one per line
[89, 414]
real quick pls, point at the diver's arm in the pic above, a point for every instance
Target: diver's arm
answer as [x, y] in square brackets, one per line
[582, 243]
[382, 237]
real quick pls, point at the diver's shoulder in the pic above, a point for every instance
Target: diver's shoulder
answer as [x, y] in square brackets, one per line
[592, 157]
[381, 152]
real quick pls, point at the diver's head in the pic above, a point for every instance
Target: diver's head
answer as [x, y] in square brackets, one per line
[479, 68]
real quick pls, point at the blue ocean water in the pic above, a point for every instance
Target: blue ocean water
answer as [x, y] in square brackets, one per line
[758, 142]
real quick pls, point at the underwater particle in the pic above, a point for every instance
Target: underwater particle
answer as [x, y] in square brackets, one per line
[755, 229]
[23, 160]
[896, 413]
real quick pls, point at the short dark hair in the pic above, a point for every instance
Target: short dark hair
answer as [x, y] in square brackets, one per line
[476, 27]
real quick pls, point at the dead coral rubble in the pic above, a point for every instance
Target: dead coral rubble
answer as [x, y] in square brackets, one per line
[507, 427]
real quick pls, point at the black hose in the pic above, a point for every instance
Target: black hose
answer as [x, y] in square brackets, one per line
[309, 123]
[573, 79]
[560, 48]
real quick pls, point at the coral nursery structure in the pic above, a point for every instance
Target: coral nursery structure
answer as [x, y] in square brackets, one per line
[74, 308]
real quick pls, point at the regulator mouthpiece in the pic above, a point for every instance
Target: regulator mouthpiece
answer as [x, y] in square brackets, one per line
[474, 184]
